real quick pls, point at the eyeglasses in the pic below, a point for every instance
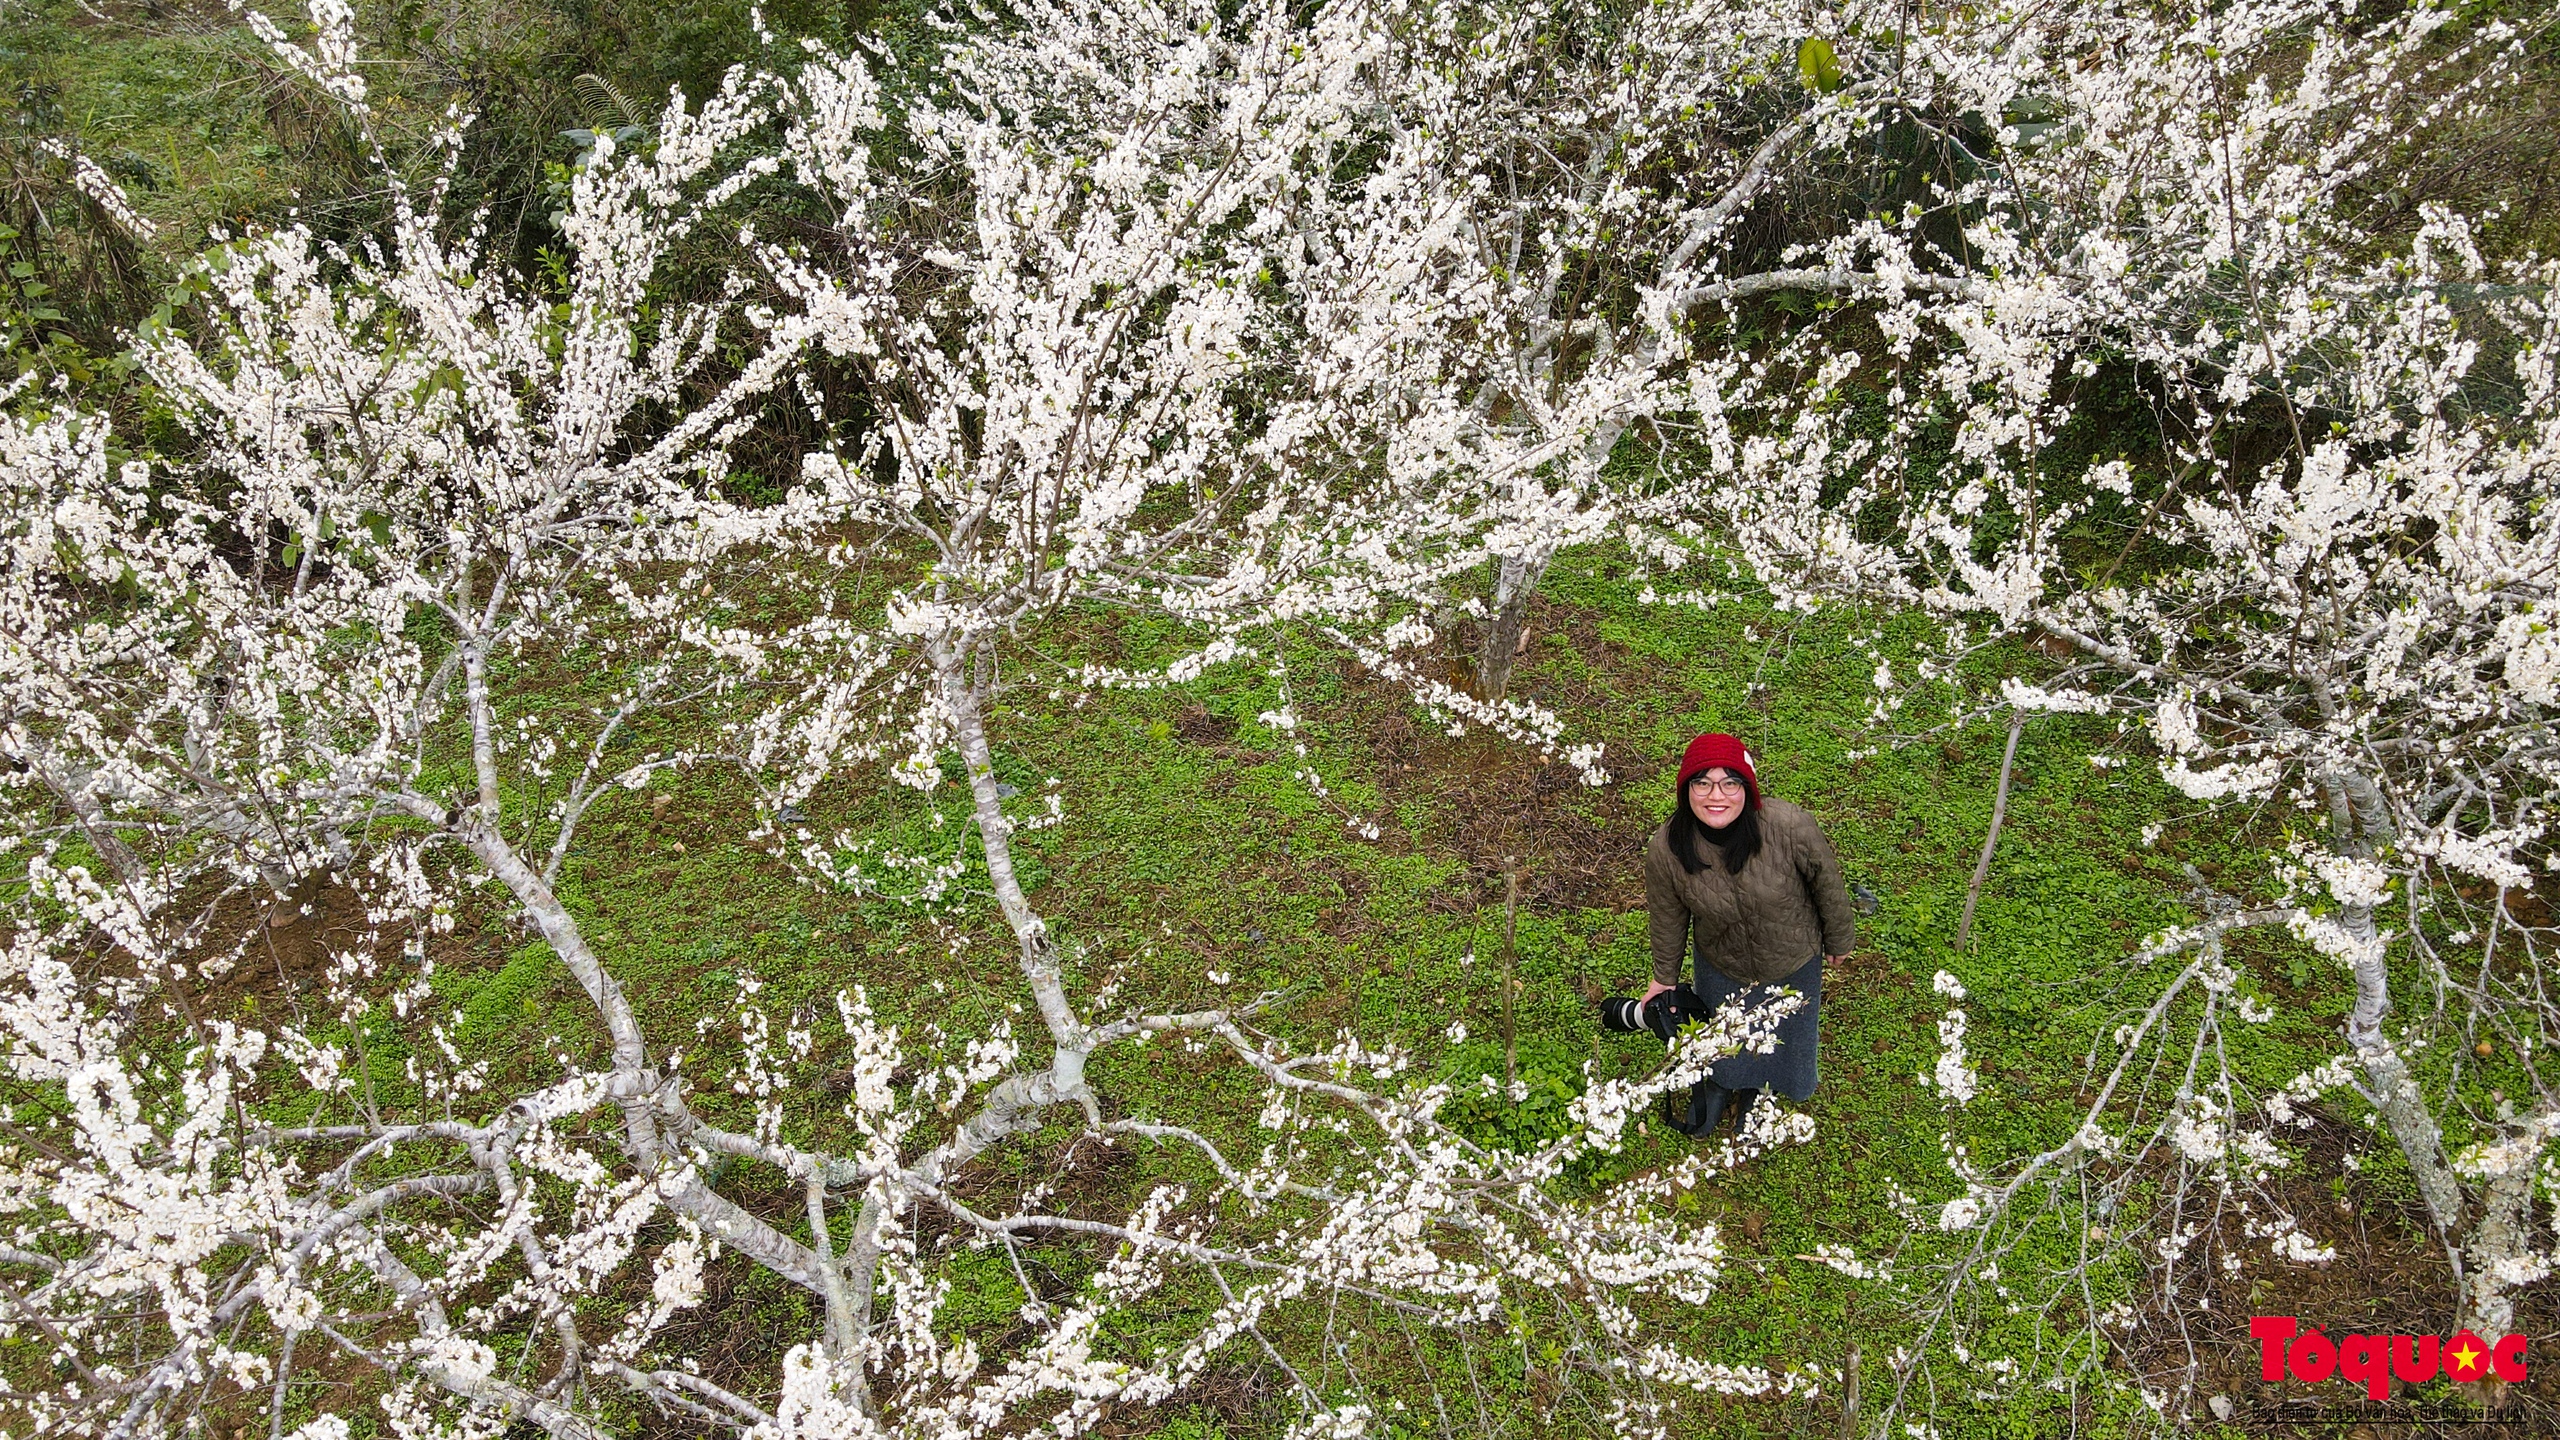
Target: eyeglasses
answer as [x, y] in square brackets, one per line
[1714, 786]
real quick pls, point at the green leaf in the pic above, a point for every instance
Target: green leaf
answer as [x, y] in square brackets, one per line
[1819, 64]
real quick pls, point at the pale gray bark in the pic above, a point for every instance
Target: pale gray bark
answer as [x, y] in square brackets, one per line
[643, 1094]
[416, 1295]
[2503, 1232]
[966, 699]
[2361, 824]
[843, 1342]
[1515, 579]
[1991, 838]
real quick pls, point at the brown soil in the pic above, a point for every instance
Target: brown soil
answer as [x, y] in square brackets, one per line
[1492, 803]
[282, 949]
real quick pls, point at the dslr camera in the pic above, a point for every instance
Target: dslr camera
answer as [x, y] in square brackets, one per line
[1663, 1015]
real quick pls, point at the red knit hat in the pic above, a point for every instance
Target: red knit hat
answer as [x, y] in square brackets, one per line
[1713, 749]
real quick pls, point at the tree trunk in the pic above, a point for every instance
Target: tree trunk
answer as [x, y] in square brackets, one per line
[1514, 581]
[967, 703]
[2503, 1233]
[2361, 821]
[2395, 1090]
[1516, 578]
[1991, 840]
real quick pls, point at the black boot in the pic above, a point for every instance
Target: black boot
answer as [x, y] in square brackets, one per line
[1743, 1100]
[1704, 1108]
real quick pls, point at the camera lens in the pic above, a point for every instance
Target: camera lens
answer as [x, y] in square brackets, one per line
[1620, 1013]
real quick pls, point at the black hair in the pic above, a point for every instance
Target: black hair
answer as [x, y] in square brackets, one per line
[1737, 842]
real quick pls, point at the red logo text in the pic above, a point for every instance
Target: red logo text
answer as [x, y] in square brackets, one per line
[2285, 1348]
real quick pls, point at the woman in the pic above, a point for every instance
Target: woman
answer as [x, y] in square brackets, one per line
[1756, 884]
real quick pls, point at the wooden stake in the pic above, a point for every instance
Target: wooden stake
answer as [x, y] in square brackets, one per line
[1849, 1395]
[1999, 808]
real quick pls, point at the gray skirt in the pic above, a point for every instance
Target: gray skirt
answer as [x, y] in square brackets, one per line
[1789, 1069]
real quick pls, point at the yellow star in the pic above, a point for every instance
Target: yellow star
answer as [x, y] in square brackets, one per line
[2466, 1358]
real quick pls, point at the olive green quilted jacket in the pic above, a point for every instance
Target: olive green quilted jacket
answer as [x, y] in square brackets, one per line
[1786, 906]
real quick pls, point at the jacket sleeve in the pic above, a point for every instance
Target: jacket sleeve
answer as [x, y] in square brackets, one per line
[1820, 865]
[1666, 915]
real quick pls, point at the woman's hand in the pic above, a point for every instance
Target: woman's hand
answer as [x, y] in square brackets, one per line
[1652, 990]
[1837, 959]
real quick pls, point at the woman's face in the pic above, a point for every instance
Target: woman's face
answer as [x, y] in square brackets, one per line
[1716, 797]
